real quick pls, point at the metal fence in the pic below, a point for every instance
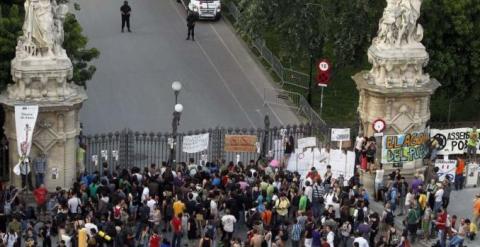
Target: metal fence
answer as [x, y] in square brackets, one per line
[128, 149]
[294, 83]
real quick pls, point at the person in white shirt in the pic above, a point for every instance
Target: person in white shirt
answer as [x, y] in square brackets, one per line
[361, 241]
[228, 223]
[379, 182]
[438, 198]
[74, 204]
[152, 204]
[145, 193]
[330, 236]
[308, 191]
[213, 208]
[10, 238]
[358, 147]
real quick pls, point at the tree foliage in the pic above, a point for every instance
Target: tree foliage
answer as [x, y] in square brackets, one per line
[452, 37]
[342, 32]
[11, 22]
[75, 43]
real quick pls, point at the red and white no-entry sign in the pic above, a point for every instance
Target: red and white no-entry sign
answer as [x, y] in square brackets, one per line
[323, 66]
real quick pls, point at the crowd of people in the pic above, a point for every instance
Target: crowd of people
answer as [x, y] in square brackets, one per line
[227, 204]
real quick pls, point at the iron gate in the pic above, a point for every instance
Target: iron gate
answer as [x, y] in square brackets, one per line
[127, 148]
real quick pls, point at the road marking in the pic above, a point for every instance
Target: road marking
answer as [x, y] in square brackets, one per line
[217, 71]
[243, 71]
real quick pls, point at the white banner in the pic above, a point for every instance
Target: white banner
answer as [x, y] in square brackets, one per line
[453, 141]
[341, 163]
[446, 168]
[25, 118]
[307, 142]
[472, 174]
[339, 135]
[195, 143]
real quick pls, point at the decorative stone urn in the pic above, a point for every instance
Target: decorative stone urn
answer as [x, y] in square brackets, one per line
[397, 89]
[41, 71]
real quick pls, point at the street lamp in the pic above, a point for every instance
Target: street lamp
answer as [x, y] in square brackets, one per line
[176, 87]
[178, 108]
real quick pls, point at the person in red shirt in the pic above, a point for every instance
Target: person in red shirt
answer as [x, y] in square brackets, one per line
[176, 223]
[40, 195]
[155, 239]
[441, 224]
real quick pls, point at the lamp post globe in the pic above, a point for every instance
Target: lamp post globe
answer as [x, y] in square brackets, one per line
[176, 86]
[179, 108]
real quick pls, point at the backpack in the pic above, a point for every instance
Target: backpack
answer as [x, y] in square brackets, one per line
[360, 215]
[371, 151]
[117, 212]
[144, 213]
[316, 197]
[169, 211]
[7, 208]
[389, 218]
[210, 231]
[336, 239]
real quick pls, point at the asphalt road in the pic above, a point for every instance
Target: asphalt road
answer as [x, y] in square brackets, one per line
[222, 83]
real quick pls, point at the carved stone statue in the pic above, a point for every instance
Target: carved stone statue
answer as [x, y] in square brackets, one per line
[42, 29]
[41, 69]
[398, 25]
[397, 55]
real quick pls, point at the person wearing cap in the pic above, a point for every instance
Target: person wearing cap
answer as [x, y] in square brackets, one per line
[476, 209]
[191, 19]
[125, 10]
[472, 143]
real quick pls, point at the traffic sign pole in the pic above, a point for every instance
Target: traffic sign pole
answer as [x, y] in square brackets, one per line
[321, 103]
[309, 96]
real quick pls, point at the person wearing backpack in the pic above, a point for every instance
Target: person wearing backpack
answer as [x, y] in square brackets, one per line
[40, 195]
[318, 203]
[296, 233]
[413, 217]
[371, 150]
[10, 238]
[142, 219]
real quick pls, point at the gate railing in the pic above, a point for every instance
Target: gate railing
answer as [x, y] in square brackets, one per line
[126, 148]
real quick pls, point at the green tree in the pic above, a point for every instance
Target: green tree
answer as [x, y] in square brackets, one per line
[452, 38]
[75, 43]
[11, 22]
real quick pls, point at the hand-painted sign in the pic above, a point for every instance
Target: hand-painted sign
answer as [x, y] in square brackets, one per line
[404, 147]
[240, 143]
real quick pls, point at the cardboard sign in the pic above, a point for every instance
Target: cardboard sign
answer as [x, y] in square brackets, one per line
[195, 143]
[446, 168]
[240, 143]
[339, 135]
[307, 142]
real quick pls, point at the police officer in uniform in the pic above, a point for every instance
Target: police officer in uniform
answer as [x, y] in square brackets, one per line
[191, 18]
[125, 9]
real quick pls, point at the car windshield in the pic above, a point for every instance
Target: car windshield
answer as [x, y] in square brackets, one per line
[207, 1]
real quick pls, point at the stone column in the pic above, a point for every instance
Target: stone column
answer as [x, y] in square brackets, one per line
[42, 72]
[397, 89]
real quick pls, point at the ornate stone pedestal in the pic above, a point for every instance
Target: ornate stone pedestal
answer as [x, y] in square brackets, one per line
[396, 89]
[40, 71]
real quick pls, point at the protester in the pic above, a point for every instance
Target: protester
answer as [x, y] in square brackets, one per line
[275, 207]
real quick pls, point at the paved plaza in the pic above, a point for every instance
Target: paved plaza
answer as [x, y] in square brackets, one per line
[222, 84]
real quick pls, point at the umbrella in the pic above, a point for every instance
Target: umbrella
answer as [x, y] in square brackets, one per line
[243, 185]
[274, 163]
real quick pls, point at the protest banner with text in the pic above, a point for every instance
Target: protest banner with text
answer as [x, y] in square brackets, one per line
[404, 147]
[452, 141]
